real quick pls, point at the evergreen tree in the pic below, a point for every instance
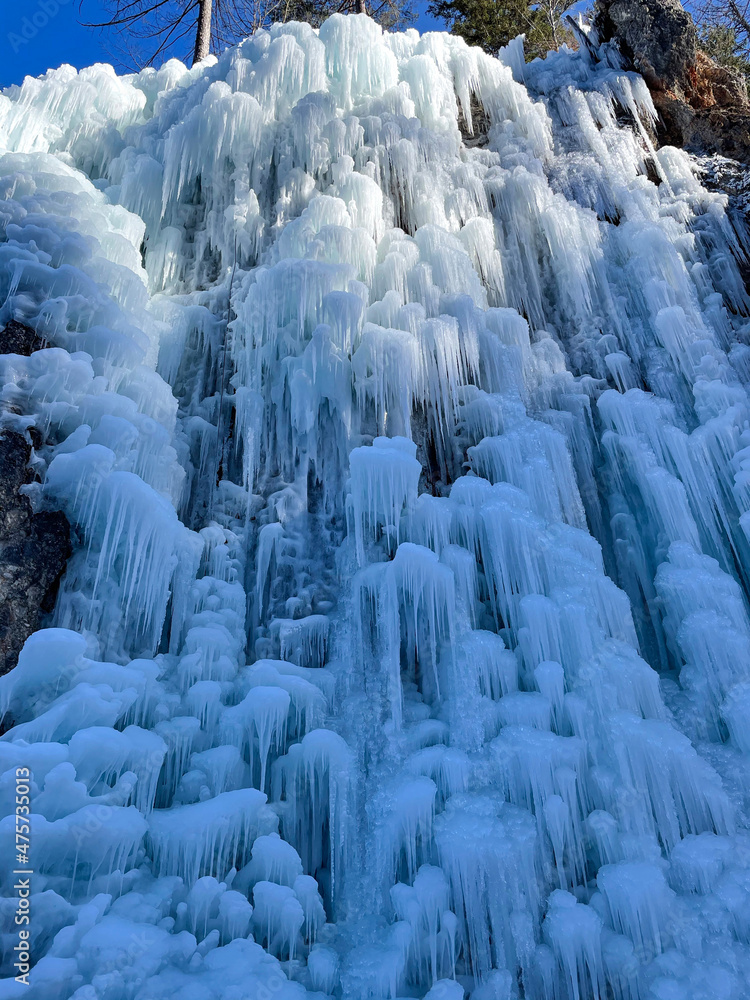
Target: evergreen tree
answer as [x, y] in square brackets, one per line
[493, 23]
[724, 27]
[721, 43]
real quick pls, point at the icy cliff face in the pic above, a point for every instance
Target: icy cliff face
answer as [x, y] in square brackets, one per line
[404, 649]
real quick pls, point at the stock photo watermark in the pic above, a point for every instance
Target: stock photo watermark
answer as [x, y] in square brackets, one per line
[22, 872]
[38, 17]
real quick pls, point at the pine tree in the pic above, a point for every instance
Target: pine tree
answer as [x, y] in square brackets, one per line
[493, 23]
[721, 43]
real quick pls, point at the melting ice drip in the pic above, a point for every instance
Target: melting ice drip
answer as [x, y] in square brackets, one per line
[405, 647]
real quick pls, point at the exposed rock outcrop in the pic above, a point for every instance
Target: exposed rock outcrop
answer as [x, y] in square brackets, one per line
[703, 106]
[19, 339]
[657, 36]
[724, 130]
[34, 547]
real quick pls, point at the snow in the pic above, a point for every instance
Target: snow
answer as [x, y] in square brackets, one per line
[404, 650]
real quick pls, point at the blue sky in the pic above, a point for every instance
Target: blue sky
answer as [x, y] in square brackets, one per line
[37, 35]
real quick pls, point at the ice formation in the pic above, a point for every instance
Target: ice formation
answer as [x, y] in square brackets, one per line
[397, 396]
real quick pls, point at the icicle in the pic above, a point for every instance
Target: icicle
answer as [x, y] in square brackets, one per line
[303, 641]
[411, 807]
[261, 716]
[277, 917]
[488, 852]
[179, 734]
[425, 906]
[638, 901]
[273, 860]
[316, 778]
[384, 481]
[222, 767]
[307, 701]
[573, 931]
[535, 766]
[427, 591]
[675, 790]
[102, 755]
[697, 862]
[131, 524]
[534, 458]
[323, 966]
[188, 841]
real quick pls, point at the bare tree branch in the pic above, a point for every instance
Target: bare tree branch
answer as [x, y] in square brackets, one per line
[215, 24]
[724, 27]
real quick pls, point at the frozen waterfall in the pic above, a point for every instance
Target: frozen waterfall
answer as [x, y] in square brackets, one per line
[397, 397]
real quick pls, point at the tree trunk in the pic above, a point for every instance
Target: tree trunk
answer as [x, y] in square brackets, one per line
[203, 34]
[359, 7]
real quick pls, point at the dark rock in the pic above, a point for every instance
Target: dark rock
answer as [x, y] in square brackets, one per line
[719, 173]
[703, 107]
[674, 120]
[34, 549]
[657, 36]
[478, 134]
[719, 130]
[19, 339]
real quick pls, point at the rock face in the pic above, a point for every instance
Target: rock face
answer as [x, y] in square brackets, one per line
[703, 106]
[34, 548]
[724, 130]
[658, 36]
[19, 339]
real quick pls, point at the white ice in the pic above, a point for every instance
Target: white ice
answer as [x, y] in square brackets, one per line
[396, 395]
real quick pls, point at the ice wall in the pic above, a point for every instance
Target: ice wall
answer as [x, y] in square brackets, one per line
[399, 407]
